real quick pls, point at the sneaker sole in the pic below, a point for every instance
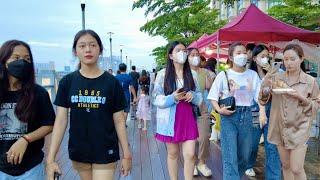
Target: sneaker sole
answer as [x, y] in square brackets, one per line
[203, 174]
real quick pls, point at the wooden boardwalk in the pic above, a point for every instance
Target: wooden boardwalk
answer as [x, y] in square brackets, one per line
[149, 158]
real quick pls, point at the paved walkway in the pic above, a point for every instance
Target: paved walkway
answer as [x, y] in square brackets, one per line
[149, 158]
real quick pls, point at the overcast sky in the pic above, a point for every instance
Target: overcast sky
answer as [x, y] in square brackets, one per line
[49, 27]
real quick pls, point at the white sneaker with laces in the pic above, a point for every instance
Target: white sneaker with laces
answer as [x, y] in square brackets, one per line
[250, 172]
[204, 170]
[261, 140]
[195, 171]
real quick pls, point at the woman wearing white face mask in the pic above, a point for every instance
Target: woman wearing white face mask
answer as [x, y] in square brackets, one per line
[261, 65]
[175, 93]
[236, 125]
[205, 79]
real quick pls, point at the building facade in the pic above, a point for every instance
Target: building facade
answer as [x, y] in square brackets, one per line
[45, 76]
[228, 12]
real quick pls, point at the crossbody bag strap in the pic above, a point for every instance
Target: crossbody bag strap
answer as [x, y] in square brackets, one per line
[227, 80]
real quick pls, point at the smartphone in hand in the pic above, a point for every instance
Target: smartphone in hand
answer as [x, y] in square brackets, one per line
[180, 90]
[276, 64]
[56, 176]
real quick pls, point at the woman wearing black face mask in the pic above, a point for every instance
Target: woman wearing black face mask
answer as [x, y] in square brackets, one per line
[26, 114]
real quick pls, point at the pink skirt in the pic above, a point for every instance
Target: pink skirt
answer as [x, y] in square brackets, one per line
[185, 125]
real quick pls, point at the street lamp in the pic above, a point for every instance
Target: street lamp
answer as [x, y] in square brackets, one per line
[110, 34]
[121, 52]
[126, 60]
[130, 63]
[83, 6]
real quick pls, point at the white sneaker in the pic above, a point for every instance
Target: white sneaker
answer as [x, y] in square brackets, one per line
[204, 170]
[214, 135]
[195, 171]
[250, 173]
[261, 140]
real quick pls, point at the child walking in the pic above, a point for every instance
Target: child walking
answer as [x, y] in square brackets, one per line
[144, 110]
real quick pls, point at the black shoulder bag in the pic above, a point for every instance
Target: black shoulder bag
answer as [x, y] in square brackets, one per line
[229, 101]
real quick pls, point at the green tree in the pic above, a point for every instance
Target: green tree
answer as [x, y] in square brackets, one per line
[182, 20]
[300, 13]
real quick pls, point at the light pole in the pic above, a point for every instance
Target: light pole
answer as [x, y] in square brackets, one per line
[110, 35]
[126, 60]
[130, 63]
[83, 6]
[121, 52]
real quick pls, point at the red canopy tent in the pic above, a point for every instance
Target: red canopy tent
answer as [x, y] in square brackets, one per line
[253, 25]
[194, 43]
[211, 50]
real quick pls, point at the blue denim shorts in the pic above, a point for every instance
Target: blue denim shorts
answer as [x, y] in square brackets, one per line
[36, 173]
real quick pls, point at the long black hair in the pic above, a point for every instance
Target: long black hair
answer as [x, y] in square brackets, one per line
[211, 64]
[171, 76]
[24, 109]
[82, 33]
[191, 49]
[257, 50]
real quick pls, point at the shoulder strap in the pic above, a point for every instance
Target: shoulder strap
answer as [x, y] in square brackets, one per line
[225, 72]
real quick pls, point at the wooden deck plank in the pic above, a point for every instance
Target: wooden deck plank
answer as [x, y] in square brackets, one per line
[150, 157]
[163, 158]
[70, 173]
[156, 167]
[146, 168]
[216, 162]
[136, 158]
[130, 128]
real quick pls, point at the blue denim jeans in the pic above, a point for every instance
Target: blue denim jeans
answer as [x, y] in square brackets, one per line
[235, 144]
[272, 161]
[36, 173]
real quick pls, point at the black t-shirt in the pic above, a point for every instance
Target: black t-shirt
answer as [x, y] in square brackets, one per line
[12, 129]
[144, 81]
[135, 77]
[93, 137]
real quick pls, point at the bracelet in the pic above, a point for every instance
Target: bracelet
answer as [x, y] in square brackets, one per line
[25, 137]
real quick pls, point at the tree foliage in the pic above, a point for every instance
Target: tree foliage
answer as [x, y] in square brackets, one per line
[300, 13]
[182, 20]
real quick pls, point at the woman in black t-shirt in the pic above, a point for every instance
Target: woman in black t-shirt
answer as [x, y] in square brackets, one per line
[26, 114]
[96, 102]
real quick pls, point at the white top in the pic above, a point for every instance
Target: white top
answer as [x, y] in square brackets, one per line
[179, 83]
[244, 87]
